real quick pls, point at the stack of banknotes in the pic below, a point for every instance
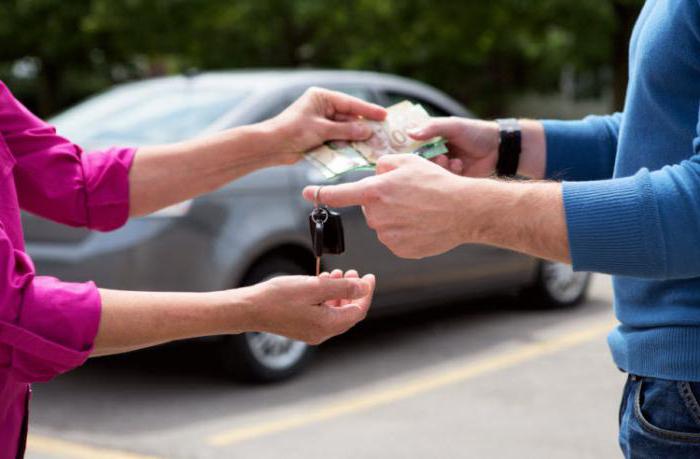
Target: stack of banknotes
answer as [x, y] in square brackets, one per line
[389, 137]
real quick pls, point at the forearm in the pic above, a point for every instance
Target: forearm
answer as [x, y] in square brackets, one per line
[164, 175]
[526, 217]
[134, 320]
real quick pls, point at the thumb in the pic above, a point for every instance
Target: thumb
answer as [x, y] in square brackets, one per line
[343, 195]
[436, 127]
[327, 288]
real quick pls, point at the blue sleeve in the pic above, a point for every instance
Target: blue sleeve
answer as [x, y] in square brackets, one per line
[646, 225]
[582, 150]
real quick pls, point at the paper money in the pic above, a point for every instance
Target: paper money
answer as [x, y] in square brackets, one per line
[389, 137]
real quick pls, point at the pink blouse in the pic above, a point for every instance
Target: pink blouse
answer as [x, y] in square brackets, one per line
[47, 327]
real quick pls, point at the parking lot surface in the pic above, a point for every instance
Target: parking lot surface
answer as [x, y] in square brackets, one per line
[493, 378]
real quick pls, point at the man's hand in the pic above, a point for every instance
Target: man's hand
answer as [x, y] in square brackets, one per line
[311, 309]
[473, 146]
[420, 209]
[415, 206]
[318, 116]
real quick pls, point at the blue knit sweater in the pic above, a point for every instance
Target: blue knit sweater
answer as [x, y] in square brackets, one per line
[632, 195]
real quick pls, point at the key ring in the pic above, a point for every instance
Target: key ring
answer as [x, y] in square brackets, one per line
[317, 196]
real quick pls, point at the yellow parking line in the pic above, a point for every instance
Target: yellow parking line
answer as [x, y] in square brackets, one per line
[71, 450]
[419, 385]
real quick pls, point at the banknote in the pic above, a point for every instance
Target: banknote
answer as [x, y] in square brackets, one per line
[388, 137]
[391, 135]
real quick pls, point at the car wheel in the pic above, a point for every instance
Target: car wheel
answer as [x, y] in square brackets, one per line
[557, 286]
[260, 357]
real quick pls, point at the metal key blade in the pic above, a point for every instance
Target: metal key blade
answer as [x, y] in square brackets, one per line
[318, 217]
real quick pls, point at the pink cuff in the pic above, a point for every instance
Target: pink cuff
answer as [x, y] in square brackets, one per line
[56, 330]
[107, 187]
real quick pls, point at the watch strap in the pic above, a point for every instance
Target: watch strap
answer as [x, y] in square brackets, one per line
[509, 147]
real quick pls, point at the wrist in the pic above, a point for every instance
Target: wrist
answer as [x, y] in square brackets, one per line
[492, 140]
[267, 140]
[240, 309]
[533, 152]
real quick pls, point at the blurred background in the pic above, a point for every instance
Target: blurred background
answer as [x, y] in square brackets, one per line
[548, 57]
[477, 373]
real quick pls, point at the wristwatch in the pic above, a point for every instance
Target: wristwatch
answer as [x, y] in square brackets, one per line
[509, 147]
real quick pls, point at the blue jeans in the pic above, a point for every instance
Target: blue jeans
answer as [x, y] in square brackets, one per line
[660, 419]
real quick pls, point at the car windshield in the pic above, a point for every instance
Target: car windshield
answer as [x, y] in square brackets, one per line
[145, 116]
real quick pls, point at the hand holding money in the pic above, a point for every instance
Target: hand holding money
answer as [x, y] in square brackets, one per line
[388, 137]
[317, 117]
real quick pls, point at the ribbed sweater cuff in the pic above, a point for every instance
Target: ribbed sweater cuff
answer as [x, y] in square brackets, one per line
[613, 226]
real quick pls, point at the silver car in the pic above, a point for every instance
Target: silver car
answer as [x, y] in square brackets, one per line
[256, 227]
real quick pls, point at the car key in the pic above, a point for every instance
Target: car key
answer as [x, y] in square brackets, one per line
[327, 234]
[317, 219]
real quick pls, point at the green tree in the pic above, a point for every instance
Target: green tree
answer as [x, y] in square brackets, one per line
[483, 53]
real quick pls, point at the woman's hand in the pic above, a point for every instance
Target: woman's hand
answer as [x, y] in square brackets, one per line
[311, 309]
[316, 117]
[473, 144]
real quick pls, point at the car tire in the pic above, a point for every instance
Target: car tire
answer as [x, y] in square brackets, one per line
[557, 286]
[265, 357]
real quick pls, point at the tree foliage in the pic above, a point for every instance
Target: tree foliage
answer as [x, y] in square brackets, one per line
[58, 51]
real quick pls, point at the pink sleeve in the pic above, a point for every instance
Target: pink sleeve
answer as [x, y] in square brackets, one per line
[47, 327]
[56, 180]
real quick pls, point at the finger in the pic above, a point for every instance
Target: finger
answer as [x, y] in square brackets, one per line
[442, 161]
[344, 117]
[350, 274]
[342, 103]
[348, 130]
[335, 274]
[365, 302]
[332, 289]
[456, 166]
[444, 127]
[388, 163]
[343, 195]
[324, 275]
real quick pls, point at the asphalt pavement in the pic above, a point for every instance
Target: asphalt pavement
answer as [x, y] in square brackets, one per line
[491, 378]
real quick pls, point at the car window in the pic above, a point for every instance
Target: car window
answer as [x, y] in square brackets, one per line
[396, 97]
[154, 117]
[355, 91]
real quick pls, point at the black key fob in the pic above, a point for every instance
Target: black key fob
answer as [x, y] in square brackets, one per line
[326, 228]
